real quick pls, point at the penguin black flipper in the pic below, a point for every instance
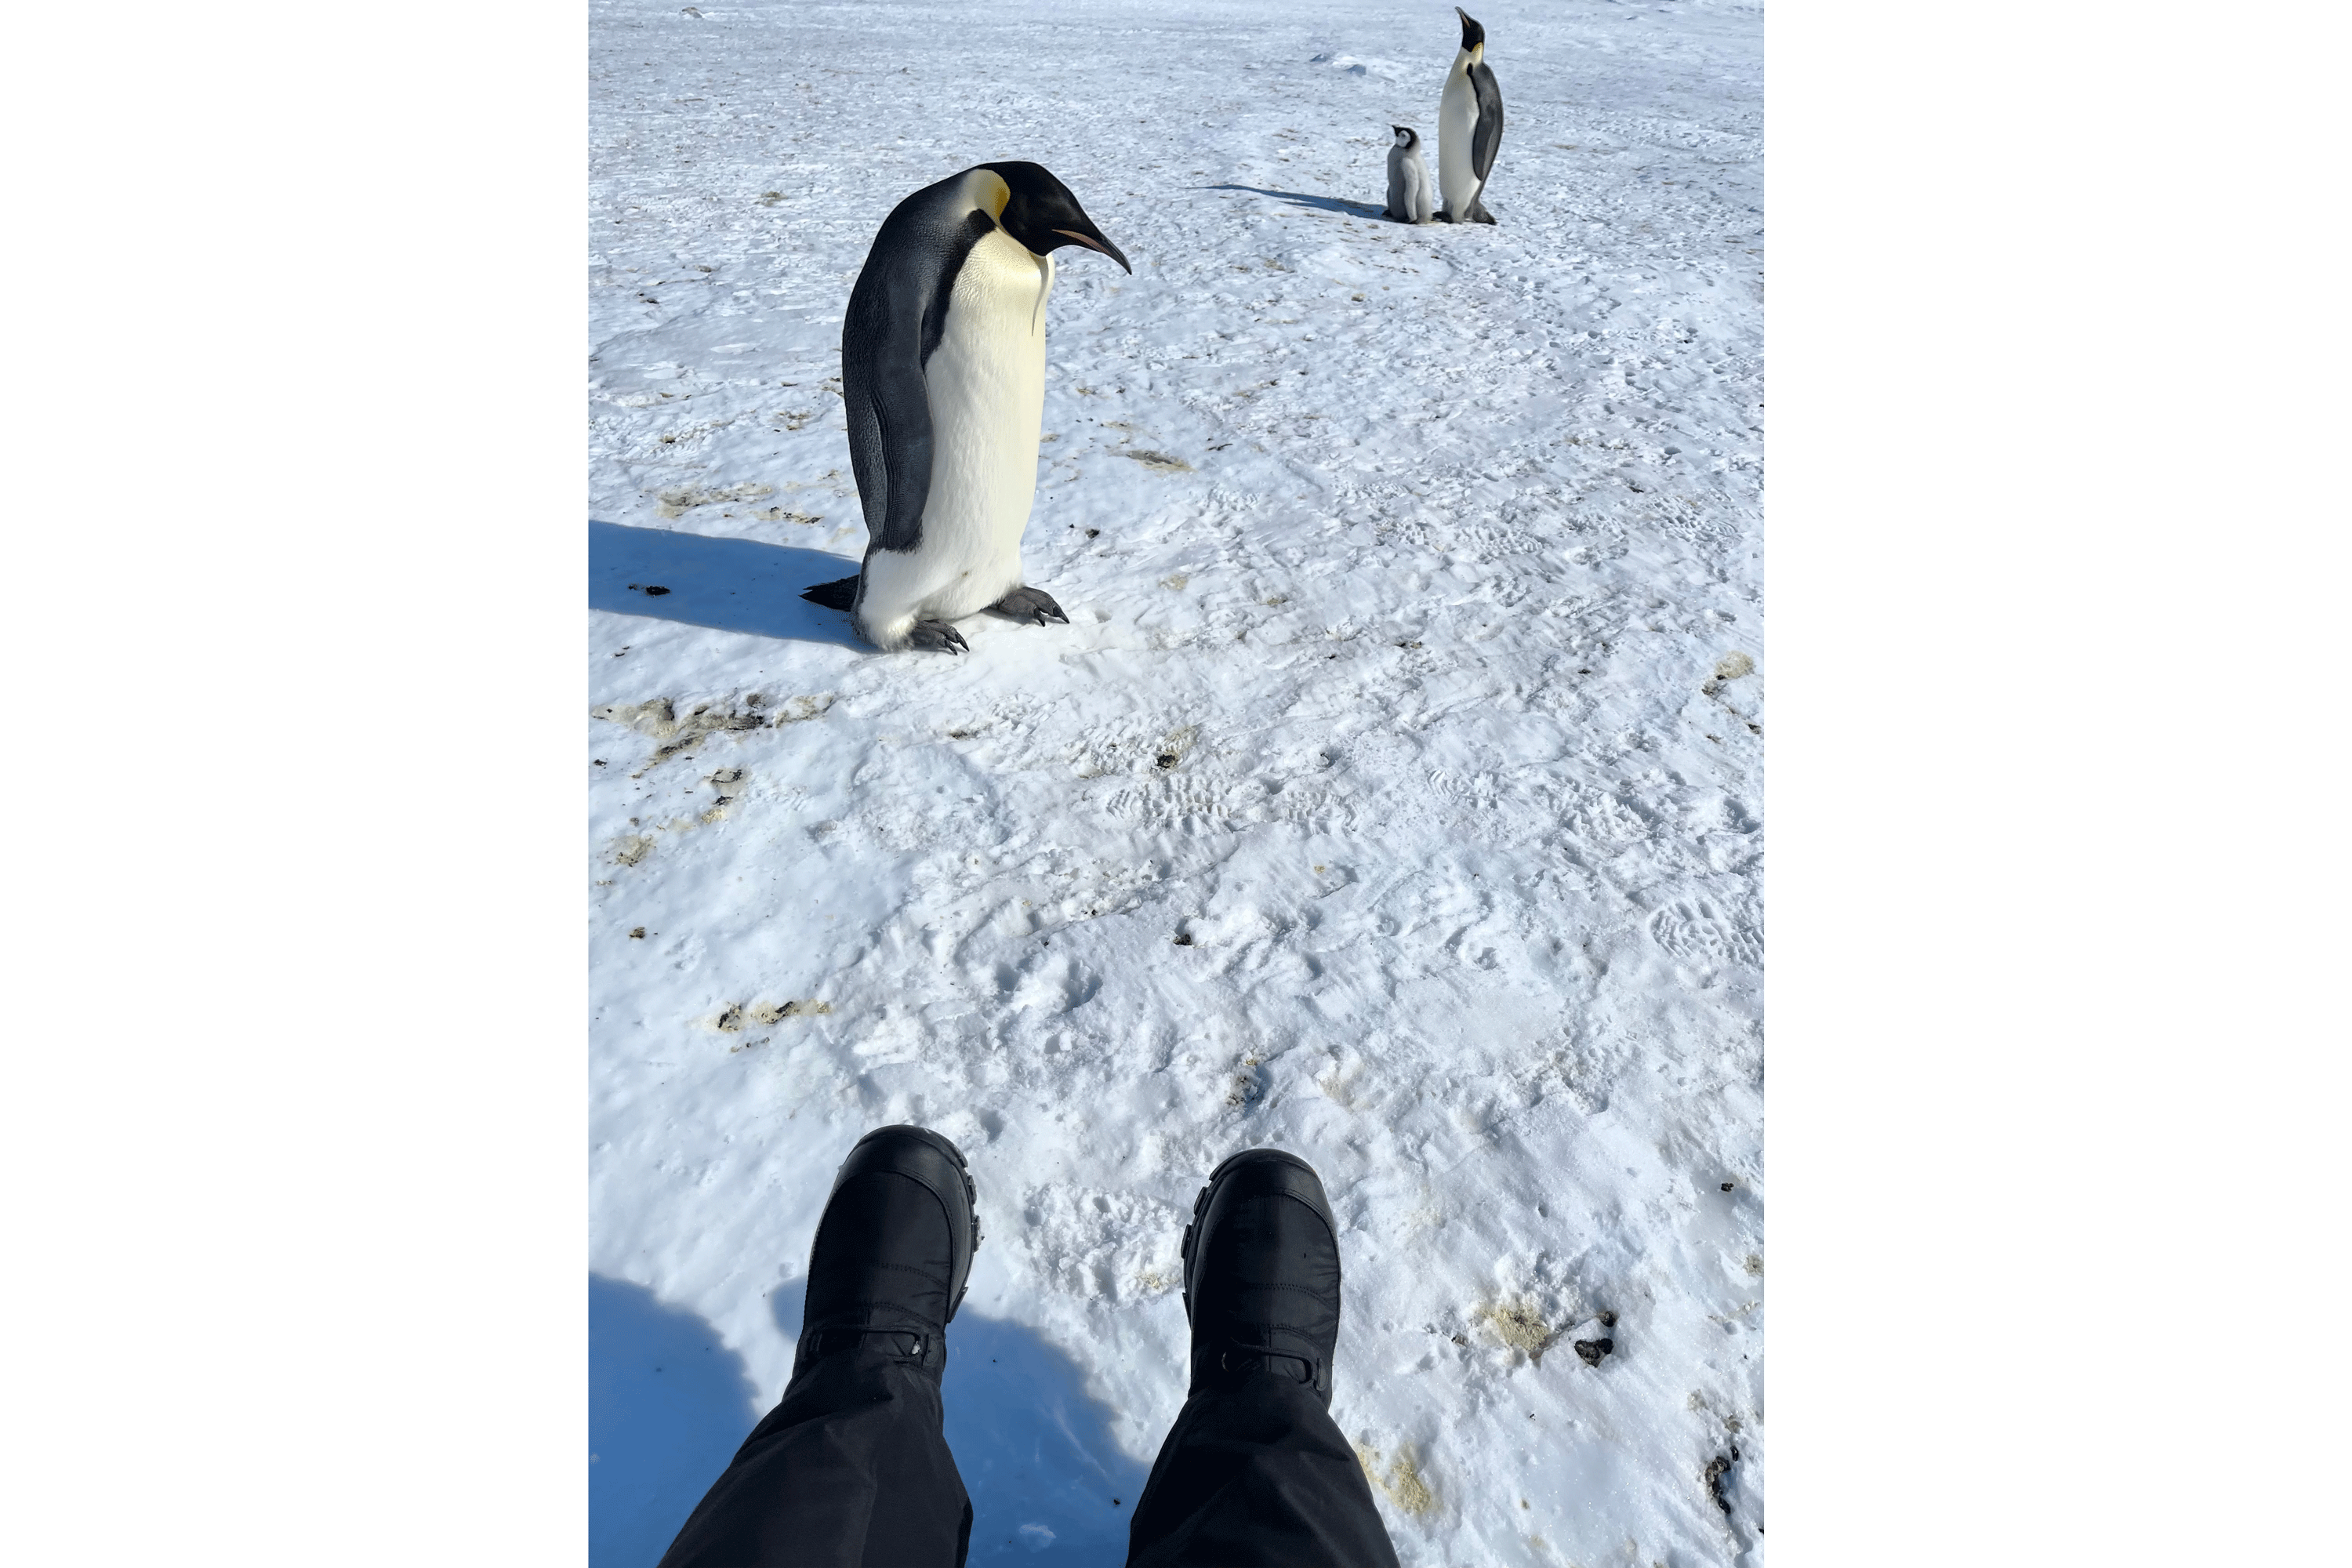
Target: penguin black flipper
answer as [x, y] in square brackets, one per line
[896, 313]
[838, 594]
[889, 418]
[1488, 135]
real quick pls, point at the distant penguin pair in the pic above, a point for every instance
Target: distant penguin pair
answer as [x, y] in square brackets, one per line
[943, 376]
[1469, 129]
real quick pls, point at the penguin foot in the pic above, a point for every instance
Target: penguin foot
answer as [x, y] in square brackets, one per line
[1033, 604]
[938, 636]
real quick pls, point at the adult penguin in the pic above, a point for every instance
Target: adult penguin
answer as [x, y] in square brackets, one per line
[1469, 128]
[944, 372]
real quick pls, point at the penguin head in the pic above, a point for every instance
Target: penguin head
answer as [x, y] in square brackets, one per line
[1406, 136]
[1474, 37]
[1041, 213]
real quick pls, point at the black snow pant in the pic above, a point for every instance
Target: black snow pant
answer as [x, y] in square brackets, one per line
[852, 1470]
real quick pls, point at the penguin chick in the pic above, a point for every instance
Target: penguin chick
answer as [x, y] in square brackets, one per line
[1411, 197]
[1469, 128]
[943, 376]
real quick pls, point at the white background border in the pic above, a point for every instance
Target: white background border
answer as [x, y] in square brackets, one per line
[295, 1160]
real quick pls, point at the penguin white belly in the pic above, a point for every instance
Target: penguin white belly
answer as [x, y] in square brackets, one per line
[1457, 123]
[1421, 203]
[985, 385]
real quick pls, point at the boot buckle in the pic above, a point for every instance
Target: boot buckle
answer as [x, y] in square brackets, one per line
[1256, 1360]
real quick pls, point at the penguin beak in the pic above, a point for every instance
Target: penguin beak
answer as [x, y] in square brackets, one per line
[1096, 242]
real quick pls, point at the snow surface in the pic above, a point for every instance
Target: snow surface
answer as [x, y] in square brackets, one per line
[1391, 797]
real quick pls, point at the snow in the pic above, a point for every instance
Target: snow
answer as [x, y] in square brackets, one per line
[1393, 795]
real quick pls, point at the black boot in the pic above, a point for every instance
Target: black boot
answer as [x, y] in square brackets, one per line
[1255, 1473]
[1261, 1275]
[893, 1251]
[851, 1469]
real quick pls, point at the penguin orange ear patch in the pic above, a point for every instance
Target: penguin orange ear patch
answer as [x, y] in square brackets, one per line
[994, 193]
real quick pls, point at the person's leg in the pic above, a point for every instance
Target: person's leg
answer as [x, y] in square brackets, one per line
[1255, 1473]
[851, 1470]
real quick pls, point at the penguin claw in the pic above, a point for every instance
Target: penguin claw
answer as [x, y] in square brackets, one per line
[938, 636]
[1032, 604]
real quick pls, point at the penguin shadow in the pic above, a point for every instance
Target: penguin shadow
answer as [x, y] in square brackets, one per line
[1304, 199]
[669, 1404]
[1036, 1455]
[726, 584]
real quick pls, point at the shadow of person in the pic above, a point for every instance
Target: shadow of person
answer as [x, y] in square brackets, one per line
[1035, 1454]
[667, 1406]
[726, 584]
[1302, 199]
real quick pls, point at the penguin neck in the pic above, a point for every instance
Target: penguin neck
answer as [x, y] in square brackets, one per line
[1463, 60]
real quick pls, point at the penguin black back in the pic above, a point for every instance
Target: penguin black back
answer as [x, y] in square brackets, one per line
[1488, 136]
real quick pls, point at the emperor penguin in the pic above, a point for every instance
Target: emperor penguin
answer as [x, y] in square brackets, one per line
[943, 373]
[1411, 197]
[1469, 128]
